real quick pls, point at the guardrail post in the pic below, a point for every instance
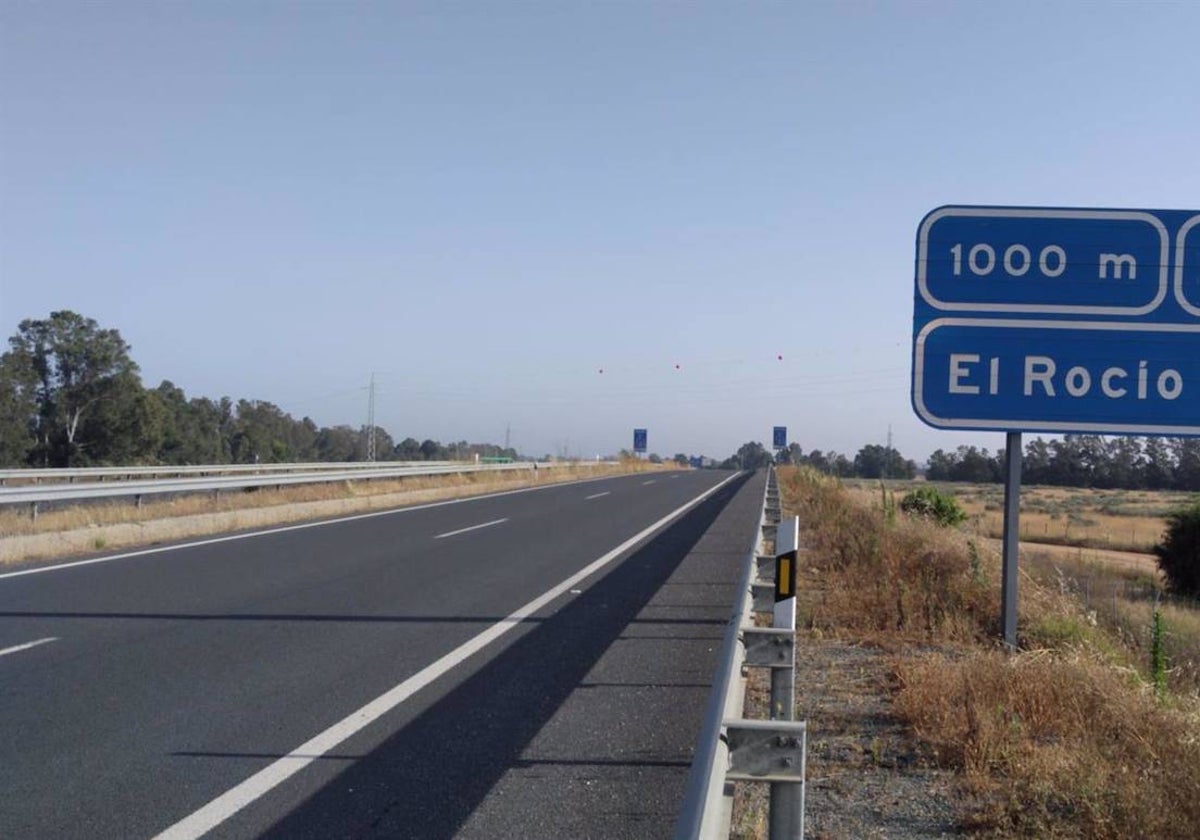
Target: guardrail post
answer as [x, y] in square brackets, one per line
[786, 820]
[33, 511]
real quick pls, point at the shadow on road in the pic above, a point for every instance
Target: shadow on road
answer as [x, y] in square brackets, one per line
[429, 777]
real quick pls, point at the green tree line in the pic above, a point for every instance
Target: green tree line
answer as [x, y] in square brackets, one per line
[871, 461]
[71, 395]
[1130, 463]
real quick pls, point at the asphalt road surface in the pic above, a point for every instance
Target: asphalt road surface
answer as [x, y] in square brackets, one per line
[531, 664]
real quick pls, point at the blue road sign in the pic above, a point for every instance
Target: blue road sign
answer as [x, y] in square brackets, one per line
[1058, 320]
[639, 440]
[779, 437]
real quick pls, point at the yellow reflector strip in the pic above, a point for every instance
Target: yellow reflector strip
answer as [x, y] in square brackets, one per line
[783, 586]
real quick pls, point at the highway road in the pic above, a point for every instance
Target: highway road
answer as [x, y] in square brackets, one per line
[530, 664]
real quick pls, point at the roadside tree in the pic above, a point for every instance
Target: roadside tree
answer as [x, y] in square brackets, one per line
[18, 410]
[80, 371]
[1179, 552]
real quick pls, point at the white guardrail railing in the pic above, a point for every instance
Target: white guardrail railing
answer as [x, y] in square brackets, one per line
[311, 474]
[56, 474]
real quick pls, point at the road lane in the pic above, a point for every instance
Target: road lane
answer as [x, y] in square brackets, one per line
[183, 672]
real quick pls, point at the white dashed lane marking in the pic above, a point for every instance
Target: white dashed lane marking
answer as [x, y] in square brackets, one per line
[27, 646]
[471, 528]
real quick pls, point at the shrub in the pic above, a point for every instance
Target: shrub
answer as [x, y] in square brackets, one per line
[1179, 552]
[1158, 655]
[930, 503]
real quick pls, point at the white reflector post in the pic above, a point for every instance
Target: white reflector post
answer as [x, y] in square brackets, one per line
[786, 813]
[787, 544]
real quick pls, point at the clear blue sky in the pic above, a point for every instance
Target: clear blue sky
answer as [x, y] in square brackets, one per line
[488, 203]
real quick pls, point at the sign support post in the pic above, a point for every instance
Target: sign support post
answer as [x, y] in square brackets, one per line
[1012, 536]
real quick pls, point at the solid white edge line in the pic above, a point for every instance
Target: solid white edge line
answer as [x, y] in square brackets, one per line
[27, 645]
[471, 528]
[300, 526]
[233, 800]
[597, 495]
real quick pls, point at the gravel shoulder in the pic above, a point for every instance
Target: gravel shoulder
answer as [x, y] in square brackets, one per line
[866, 774]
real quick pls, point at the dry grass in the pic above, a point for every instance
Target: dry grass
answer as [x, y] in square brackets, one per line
[1055, 745]
[1124, 520]
[907, 580]
[1143, 566]
[83, 529]
[1120, 601]
[1063, 740]
[1091, 529]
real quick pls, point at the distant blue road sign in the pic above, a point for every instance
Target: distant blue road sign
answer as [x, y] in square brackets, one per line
[639, 440]
[779, 437]
[1058, 320]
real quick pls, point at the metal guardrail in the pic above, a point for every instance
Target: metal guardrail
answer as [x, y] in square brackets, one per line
[730, 748]
[56, 474]
[113, 489]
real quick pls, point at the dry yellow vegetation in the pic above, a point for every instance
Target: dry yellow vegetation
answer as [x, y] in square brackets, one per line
[1064, 738]
[1121, 520]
